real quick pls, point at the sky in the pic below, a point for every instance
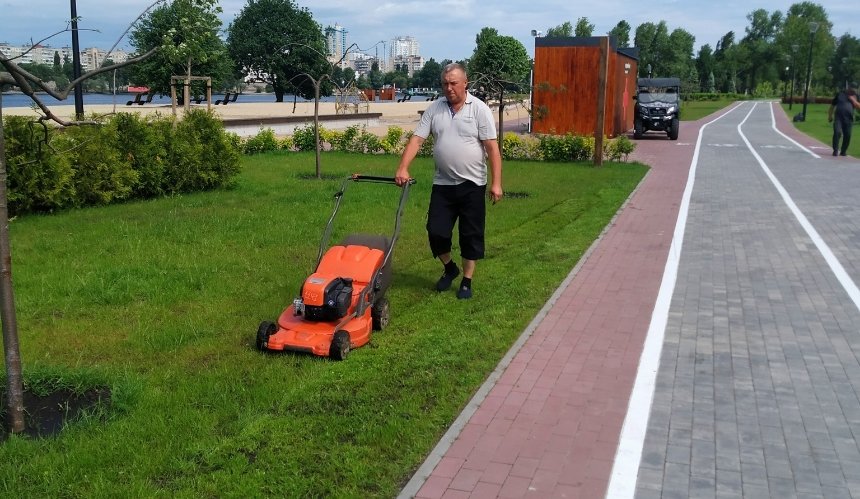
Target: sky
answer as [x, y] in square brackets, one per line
[445, 29]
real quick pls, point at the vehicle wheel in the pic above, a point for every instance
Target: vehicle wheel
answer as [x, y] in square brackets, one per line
[673, 129]
[265, 330]
[339, 346]
[377, 242]
[637, 128]
[380, 313]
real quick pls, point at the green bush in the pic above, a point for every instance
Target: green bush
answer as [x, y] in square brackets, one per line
[304, 138]
[38, 179]
[520, 147]
[139, 141]
[619, 148]
[126, 157]
[393, 143]
[264, 141]
[102, 176]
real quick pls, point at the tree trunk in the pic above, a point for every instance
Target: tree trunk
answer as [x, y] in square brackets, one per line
[187, 91]
[317, 123]
[501, 133]
[295, 101]
[14, 379]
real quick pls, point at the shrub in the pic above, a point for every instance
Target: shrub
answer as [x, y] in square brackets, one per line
[138, 141]
[38, 179]
[393, 143]
[304, 139]
[202, 156]
[127, 156]
[101, 175]
[619, 148]
[520, 147]
[264, 141]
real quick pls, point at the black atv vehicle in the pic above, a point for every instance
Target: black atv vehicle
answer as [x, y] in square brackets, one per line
[658, 106]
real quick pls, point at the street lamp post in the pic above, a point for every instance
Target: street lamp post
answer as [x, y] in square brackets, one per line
[76, 63]
[813, 27]
[794, 48]
[536, 34]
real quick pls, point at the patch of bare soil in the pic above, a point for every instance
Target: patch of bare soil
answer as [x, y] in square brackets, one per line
[46, 415]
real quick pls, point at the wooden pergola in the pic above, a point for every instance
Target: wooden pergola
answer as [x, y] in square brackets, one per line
[186, 93]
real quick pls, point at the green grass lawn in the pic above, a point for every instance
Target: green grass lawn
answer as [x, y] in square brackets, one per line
[816, 126]
[160, 301]
[694, 110]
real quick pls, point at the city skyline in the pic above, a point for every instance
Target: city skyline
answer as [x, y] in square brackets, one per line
[446, 29]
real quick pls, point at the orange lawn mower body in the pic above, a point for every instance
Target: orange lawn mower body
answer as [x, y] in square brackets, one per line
[343, 301]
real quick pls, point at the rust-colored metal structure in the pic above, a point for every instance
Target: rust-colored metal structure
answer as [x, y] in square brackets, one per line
[566, 86]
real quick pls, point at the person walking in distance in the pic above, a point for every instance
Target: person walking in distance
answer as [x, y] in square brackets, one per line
[843, 104]
[464, 140]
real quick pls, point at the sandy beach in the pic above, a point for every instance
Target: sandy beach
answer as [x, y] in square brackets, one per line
[402, 114]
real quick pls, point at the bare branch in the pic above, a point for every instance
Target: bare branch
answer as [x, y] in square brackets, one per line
[131, 24]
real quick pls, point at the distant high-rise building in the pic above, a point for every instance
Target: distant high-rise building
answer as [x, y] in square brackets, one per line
[405, 53]
[335, 39]
[404, 46]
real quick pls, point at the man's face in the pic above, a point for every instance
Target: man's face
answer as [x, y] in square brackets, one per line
[454, 86]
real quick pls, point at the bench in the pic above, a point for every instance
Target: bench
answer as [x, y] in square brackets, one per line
[228, 98]
[138, 99]
[198, 99]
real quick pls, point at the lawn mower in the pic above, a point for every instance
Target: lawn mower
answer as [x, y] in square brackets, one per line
[344, 299]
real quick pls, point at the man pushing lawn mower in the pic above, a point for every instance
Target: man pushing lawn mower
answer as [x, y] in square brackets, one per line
[464, 134]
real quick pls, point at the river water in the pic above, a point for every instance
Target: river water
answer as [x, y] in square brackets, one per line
[15, 99]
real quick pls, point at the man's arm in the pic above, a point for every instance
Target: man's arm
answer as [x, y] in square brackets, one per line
[409, 153]
[854, 101]
[491, 146]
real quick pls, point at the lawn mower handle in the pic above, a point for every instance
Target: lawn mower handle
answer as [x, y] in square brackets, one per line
[371, 178]
[356, 177]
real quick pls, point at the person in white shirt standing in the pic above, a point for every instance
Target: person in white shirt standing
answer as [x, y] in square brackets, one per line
[464, 140]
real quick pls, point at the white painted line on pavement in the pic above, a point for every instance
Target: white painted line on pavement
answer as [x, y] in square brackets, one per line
[773, 125]
[625, 469]
[837, 268]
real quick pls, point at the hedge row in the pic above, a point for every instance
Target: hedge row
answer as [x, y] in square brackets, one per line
[127, 157]
[357, 139]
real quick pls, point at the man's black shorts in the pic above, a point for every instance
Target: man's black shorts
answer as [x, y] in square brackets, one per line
[448, 203]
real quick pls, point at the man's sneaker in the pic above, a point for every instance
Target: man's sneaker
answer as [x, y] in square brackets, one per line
[843, 153]
[445, 281]
[464, 293]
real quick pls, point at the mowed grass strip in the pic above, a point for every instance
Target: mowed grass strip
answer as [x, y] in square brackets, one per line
[160, 301]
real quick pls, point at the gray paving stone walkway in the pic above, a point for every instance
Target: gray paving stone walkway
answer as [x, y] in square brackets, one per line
[757, 391]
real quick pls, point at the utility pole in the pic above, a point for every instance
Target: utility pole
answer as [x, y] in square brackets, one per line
[76, 64]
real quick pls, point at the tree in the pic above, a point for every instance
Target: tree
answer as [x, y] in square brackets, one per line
[621, 32]
[583, 27]
[562, 30]
[499, 63]
[761, 55]
[796, 31]
[428, 76]
[29, 84]
[846, 61]
[654, 47]
[186, 32]
[705, 68]
[268, 39]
